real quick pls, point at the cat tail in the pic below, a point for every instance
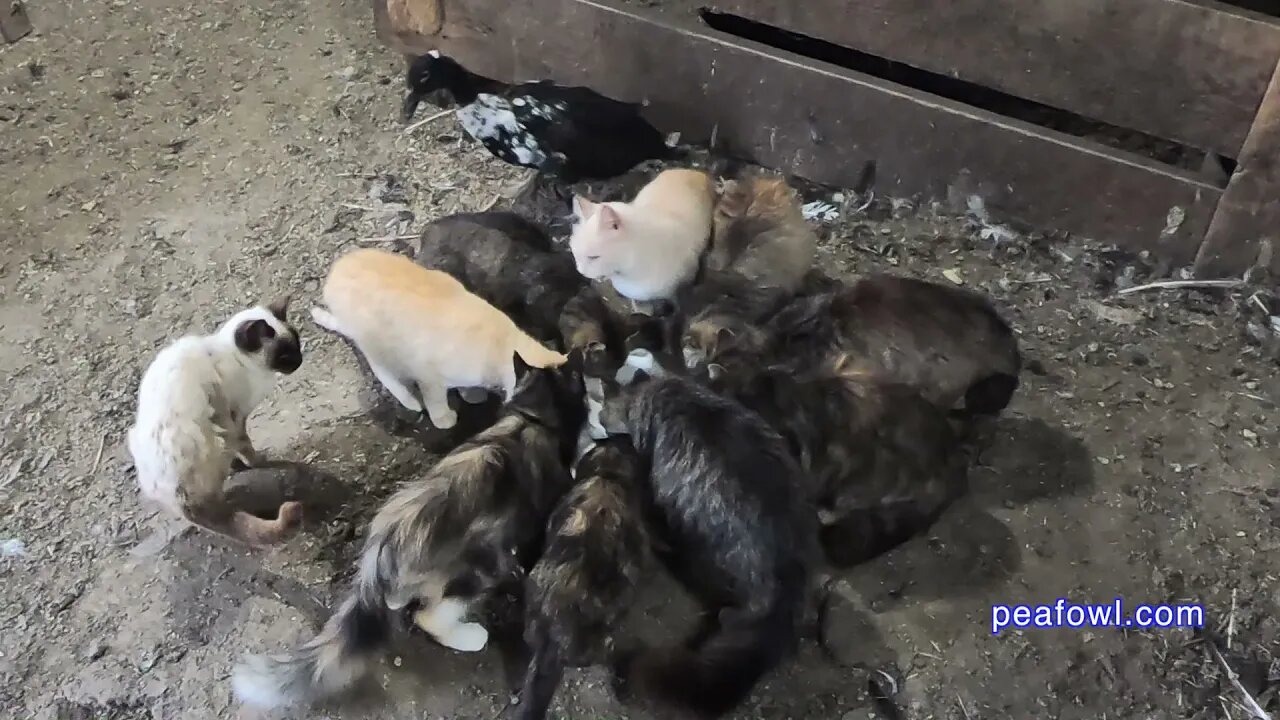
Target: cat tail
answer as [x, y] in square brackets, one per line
[536, 355]
[217, 516]
[335, 659]
[713, 677]
[864, 533]
[541, 680]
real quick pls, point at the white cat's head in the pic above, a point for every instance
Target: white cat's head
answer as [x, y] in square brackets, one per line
[264, 333]
[597, 238]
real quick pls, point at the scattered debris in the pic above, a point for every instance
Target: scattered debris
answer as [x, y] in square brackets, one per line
[821, 212]
[428, 120]
[13, 547]
[953, 275]
[1256, 711]
[987, 229]
[1182, 285]
[1119, 316]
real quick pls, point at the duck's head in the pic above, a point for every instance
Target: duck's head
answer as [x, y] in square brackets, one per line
[432, 73]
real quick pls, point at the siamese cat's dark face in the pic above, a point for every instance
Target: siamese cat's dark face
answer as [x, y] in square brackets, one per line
[265, 331]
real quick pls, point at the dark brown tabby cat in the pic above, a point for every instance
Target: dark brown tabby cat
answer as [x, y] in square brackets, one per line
[594, 557]
[945, 342]
[885, 461]
[507, 260]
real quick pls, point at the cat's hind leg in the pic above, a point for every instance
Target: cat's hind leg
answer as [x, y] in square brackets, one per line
[436, 397]
[400, 391]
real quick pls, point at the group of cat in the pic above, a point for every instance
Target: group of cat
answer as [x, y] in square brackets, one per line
[715, 403]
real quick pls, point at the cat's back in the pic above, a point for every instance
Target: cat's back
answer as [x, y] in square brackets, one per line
[372, 285]
[178, 378]
[682, 194]
[704, 433]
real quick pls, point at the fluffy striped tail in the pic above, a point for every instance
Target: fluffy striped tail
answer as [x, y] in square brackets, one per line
[334, 661]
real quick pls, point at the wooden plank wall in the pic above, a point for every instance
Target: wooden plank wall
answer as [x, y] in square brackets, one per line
[1246, 224]
[1182, 70]
[825, 123]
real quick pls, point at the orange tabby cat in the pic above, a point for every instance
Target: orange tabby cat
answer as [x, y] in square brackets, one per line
[422, 327]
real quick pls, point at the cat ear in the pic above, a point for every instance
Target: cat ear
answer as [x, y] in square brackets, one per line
[251, 334]
[610, 218]
[723, 336]
[583, 208]
[522, 368]
[279, 307]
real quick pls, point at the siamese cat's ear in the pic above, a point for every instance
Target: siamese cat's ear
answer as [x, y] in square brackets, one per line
[251, 334]
[279, 307]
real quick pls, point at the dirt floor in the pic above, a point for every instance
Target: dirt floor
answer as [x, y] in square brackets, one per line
[165, 164]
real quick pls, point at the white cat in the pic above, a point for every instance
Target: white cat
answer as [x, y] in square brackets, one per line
[647, 248]
[192, 406]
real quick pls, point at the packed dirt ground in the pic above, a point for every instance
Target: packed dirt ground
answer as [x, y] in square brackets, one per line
[166, 163]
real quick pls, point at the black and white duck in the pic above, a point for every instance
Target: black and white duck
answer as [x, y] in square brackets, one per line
[571, 133]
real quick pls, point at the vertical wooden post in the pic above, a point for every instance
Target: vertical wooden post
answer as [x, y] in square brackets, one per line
[1247, 219]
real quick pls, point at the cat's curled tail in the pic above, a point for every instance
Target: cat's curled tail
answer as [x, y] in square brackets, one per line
[335, 660]
[536, 355]
[712, 678]
[247, 527]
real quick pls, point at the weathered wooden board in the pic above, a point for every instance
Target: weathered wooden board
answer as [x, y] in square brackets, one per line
[1181, 70]
[825, 123]
[14, 23]
[1247, 221]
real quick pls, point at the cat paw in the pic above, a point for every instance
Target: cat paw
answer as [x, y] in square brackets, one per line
[443, 421]
[473, 395]
[466, 637]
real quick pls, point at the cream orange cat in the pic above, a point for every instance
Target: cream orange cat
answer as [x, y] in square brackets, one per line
[649, 247]
[420, 327]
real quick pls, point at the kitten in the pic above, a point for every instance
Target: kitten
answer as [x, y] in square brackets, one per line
[420, 327]
[443, 546]
[733, 509]
[760, 232]
[649, 247]
[586, 580]
[885, 462]
[193, 403]
[508, 261]
[945, 342]
[604, 333]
